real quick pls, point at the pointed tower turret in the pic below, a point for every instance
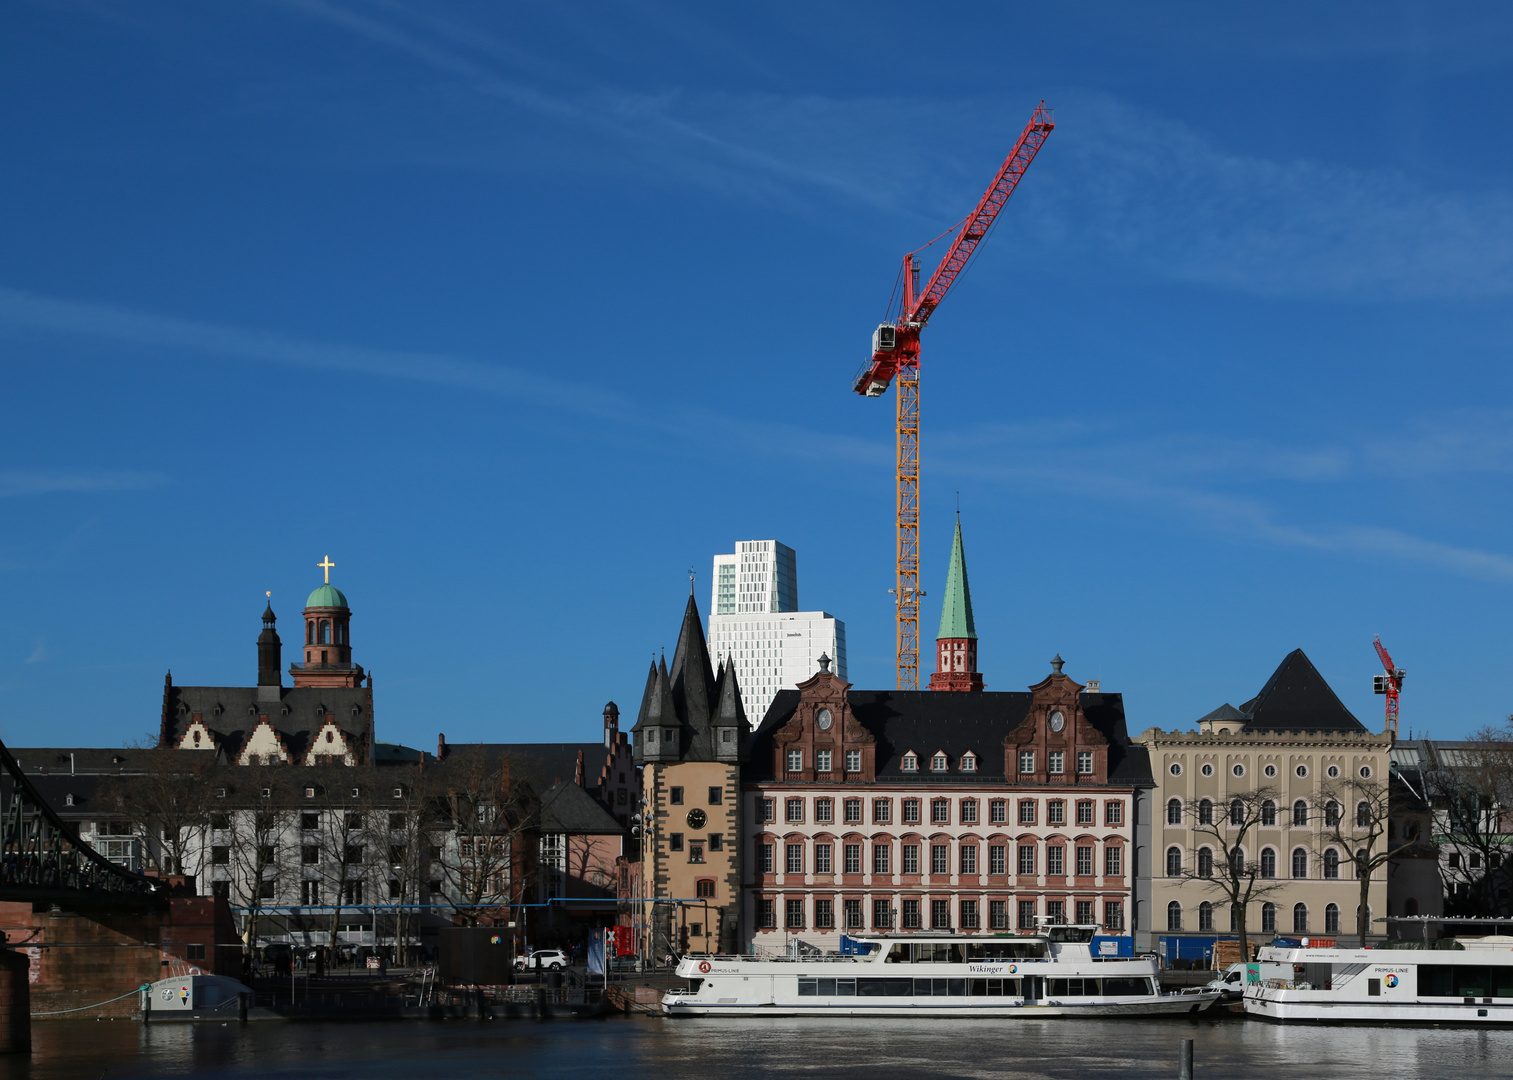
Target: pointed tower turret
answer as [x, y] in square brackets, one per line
[729, 728]
[657, 726]
[956, 643]
[270, 658]
[693, 684]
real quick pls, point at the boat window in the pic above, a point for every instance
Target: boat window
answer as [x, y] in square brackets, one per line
[993, 987]
[1020, 949]
[940, 987]
[827, 987]
[882, 987]
[1073, 987]
[1127, 987]
[1073, 933]
[926, 952]
[694, 984]
[1464, 980]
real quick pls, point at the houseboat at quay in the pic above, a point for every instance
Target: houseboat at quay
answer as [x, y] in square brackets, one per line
[1457, 981]
[1052, 973]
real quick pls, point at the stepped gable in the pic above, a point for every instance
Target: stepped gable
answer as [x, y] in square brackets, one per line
[926, 721]
[1296, 698]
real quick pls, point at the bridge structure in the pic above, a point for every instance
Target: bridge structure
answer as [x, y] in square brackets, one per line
[43, 860]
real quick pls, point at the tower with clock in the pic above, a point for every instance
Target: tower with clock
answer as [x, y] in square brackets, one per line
[690, 739]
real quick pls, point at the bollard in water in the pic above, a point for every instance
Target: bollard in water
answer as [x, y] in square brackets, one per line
[1185, 1061]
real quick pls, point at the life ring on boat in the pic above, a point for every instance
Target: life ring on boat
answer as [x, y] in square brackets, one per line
[1013, 969]
[704, 966]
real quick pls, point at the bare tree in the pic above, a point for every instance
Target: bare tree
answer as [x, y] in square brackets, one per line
[340, 802]
[260, 834]
[1221, 831]
[398, 833]
[1356, 812]
[485, 864]
[168, 802]
[1470, 790]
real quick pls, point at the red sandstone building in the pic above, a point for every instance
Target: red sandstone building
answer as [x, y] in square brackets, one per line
[950, 809]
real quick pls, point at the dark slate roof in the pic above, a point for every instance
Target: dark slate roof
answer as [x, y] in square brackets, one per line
[1296, 698]
[52, 760]
[388, 753]
[566, 807]
[1224, 712]
[232, 712]
[544, 764]
[694, 693]
[926, 721]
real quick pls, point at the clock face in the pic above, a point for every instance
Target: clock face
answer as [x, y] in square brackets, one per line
[1057, 721]
[696, 818]
[824, 719]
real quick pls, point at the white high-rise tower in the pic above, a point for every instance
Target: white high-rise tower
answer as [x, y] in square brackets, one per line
[755, 624]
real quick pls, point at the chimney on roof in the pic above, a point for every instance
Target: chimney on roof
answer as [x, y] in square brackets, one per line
[578, 773]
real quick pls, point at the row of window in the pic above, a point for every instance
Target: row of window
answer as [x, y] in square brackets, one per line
[1055, 762]
[1268, 867]
[1239, 813]
[902, 987]
[715, 796]
[1238, 769]
[910, 913]
[824, 761]
[967, 811]
[1027, 859]
[1174, 916]
[312, 893]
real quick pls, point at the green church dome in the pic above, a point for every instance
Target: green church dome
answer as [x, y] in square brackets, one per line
[327, 596]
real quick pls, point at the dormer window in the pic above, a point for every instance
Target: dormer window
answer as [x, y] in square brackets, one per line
[267, 793]
[68, 800]
[910, 762]
[939, 763]
[309, 793]
[795, 761]
[1026, 761]
[853, 761]
[822, 761]
[969, 762]
[651, 735]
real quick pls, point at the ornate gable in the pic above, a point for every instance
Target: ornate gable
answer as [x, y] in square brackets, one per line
[1056, 743]
[264, 746]
[197, 735]
[823, 729]
[330, 746]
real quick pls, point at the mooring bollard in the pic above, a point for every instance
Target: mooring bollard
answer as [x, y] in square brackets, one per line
[1185, 1061]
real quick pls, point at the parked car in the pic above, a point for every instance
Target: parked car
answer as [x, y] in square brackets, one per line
[546, 959]
[625, 963]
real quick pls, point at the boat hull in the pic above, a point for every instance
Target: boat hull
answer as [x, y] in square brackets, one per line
[1360, 1012]
[1165, 1005]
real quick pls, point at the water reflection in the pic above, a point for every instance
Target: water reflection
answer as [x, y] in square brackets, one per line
[846, 1049]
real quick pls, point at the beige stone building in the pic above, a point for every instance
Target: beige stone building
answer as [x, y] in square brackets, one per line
[1262, 783]
[691, 737]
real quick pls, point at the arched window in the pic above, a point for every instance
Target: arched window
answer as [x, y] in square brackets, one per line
[1363, 815]
[1332, 918]
[1174, 916]
[1268, 813]
[1299, 862]
[310, 632]
[1205, 916]
[341, 633]
[1359, 922]
[325, 632]
[1237, 862]
[1268, 918]
[1205, 862]
[1237, 812]
[1300, 813]
[1300, 918]
[1174, 811]
[1361, 863]
[1206, 812]
[1173, 862]
[1331, 814]
[1331, 863]
[1268, 863]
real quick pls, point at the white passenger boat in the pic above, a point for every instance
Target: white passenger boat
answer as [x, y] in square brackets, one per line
[1458, 981]
[1053, 973]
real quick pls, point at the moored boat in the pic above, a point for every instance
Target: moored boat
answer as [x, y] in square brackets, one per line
[1048, 974]
[1457, 981]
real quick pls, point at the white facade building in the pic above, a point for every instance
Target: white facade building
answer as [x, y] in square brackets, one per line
[755, 624]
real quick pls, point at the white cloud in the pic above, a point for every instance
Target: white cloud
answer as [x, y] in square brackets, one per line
[39, 654]
[16, 482]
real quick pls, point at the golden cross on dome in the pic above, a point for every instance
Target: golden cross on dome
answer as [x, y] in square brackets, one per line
[326, 565]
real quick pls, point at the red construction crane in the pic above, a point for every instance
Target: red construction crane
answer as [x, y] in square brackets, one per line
[1390, 684]
[895, 356]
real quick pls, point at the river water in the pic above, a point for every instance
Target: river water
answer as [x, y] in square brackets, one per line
[844, 1049]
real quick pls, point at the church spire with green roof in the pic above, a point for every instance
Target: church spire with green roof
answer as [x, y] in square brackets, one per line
[956, 643]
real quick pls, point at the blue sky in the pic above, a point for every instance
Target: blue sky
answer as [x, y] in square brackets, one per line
[520, 311]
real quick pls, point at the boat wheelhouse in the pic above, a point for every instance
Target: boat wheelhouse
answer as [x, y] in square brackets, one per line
[1052, 973]
[1454, 981]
